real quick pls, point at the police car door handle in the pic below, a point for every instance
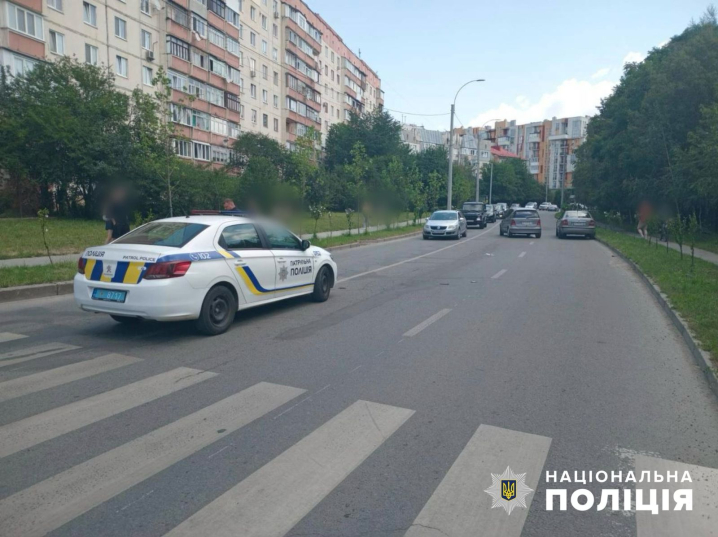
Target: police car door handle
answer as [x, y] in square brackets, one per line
[240, 264]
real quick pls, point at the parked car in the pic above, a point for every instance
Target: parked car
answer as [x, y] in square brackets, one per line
[500, 209]
[576, 223]
[515, 206]
[444, 224]
[490, 213]
[475, 213]
[532, 205]
[553, 208]
[521, 221]
[544, 206]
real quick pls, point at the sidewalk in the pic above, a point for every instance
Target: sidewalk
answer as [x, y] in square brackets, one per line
[701, 254]
[34, 261]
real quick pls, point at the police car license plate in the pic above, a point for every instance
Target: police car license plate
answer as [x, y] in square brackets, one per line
[110, 296]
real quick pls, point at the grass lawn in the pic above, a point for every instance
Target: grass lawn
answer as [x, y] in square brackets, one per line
[348, 239]
[21, 237]
[59, 272]
[693, 294]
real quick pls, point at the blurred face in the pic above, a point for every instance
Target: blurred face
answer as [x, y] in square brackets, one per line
[228, 205]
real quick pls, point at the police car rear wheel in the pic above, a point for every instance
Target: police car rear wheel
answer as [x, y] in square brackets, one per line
[217, 312]
[322, 285]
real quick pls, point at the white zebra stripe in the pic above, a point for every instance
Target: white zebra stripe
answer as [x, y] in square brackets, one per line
[32, 353]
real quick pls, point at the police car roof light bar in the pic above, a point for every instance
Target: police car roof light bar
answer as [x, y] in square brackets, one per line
[206, 212]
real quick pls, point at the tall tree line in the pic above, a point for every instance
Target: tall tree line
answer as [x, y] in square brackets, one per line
[656, 137]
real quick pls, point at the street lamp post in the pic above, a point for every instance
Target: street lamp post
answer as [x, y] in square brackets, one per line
[451, 144]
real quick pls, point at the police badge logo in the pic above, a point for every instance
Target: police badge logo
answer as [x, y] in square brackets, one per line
[283, 273]
[508, 490]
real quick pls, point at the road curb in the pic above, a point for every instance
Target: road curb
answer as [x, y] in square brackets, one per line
[26, 292]
[702, 358]
[367, 242]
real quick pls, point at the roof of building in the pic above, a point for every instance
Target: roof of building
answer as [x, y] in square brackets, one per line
[502, 153]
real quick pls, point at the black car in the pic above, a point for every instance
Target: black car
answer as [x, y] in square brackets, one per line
[475, 213]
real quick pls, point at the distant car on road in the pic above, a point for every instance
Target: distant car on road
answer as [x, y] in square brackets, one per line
[532, 205]
[490, 213]
[553, 208]
[544, 206]
[500, 209]
[475, 213]
[576, 223]
[515, 206]
[443, 224]
[201, 268]
[521, 221]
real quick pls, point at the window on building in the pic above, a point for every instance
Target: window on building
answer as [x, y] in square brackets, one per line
[233, 129]
[22, 65]
[275, 54]
[147, 75]
[265, 72]
[232, 17]
[276, 101]
[90, 54]
[253, 91]
[200, 120]
[264, 46]
[253, 39]
[219, 126]
[276, 78]
[89, 13]
[264, 22]
[145, 6]
[276, 125]
[121, 66]
[275, 30]
[199, 25]
[241, 111]
[198, 89]
[218, 67]
[57, 42]
[265, 121]
[233, 46]
[216, 37]
[178, 14]
[231, 101]
[220, 154]
[215, 96]
[254, 116]
[183, 148]
[265, 96]
[55, 4]
[199, 59]
[217, 7]
[234, 76]
[24, 21]
[178, 81]
[120, 28]
[177, 47]
[253, 13]
[146, 40]
[252, 64]
[201, 151]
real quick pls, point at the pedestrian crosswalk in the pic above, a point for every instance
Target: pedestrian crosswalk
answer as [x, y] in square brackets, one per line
[33, 353]
[278, 495]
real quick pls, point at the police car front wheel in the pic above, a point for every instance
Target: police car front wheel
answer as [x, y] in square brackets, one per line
[322, 285]
[217, 312]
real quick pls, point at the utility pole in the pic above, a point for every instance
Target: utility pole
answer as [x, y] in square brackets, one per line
[451, 156]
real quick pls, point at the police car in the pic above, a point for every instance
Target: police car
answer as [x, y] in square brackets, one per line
[203, 267]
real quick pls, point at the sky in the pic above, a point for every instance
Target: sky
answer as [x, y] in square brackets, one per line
[540, 59]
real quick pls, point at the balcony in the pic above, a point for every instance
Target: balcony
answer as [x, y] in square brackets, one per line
[504, 141]
[534, 137]
[534, 166]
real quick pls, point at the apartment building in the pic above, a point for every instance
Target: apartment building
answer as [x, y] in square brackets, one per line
[531, 145]
[275, 68]
[565, 135]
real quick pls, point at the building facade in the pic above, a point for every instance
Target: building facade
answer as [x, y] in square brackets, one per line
[265, 66]
[565, 135]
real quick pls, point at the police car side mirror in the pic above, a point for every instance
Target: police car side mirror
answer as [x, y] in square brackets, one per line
[306, 244]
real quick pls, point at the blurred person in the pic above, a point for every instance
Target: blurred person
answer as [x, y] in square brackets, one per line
[229, 205]
[644, 213]
[108, 223]
[119, 213]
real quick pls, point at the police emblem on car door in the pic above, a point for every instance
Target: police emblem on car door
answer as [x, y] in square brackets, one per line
[295, 267]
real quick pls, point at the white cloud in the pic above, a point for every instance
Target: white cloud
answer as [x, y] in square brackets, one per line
[571, 98]
[601, 73]
[634, 57]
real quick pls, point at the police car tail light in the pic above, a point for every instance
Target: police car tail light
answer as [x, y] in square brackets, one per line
[81, 265]
[169, 269]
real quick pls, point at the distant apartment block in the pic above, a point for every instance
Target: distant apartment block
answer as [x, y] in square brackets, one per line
[265, 66]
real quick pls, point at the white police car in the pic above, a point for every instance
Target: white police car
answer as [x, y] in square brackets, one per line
[200, 267]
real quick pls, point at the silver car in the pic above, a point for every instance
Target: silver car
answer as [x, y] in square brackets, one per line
[444, 224]
[576, 223]
[521, 221]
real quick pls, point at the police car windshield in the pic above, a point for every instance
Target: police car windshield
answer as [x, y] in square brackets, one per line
[172, 234]
[443, 216]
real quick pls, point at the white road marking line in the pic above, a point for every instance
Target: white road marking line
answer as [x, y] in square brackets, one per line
[31, 353]
[273, 499]
[700, 521]
[357, 367]
[460, 505]
[9, 336]
[28, 432]
[419, 327]
[220, 451]
[62, 375]
[47, 505]
[499, 274]
[522, 254]
[134, 502]
[415, 258]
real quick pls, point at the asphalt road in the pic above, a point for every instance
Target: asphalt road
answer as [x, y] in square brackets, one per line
[382, 412]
